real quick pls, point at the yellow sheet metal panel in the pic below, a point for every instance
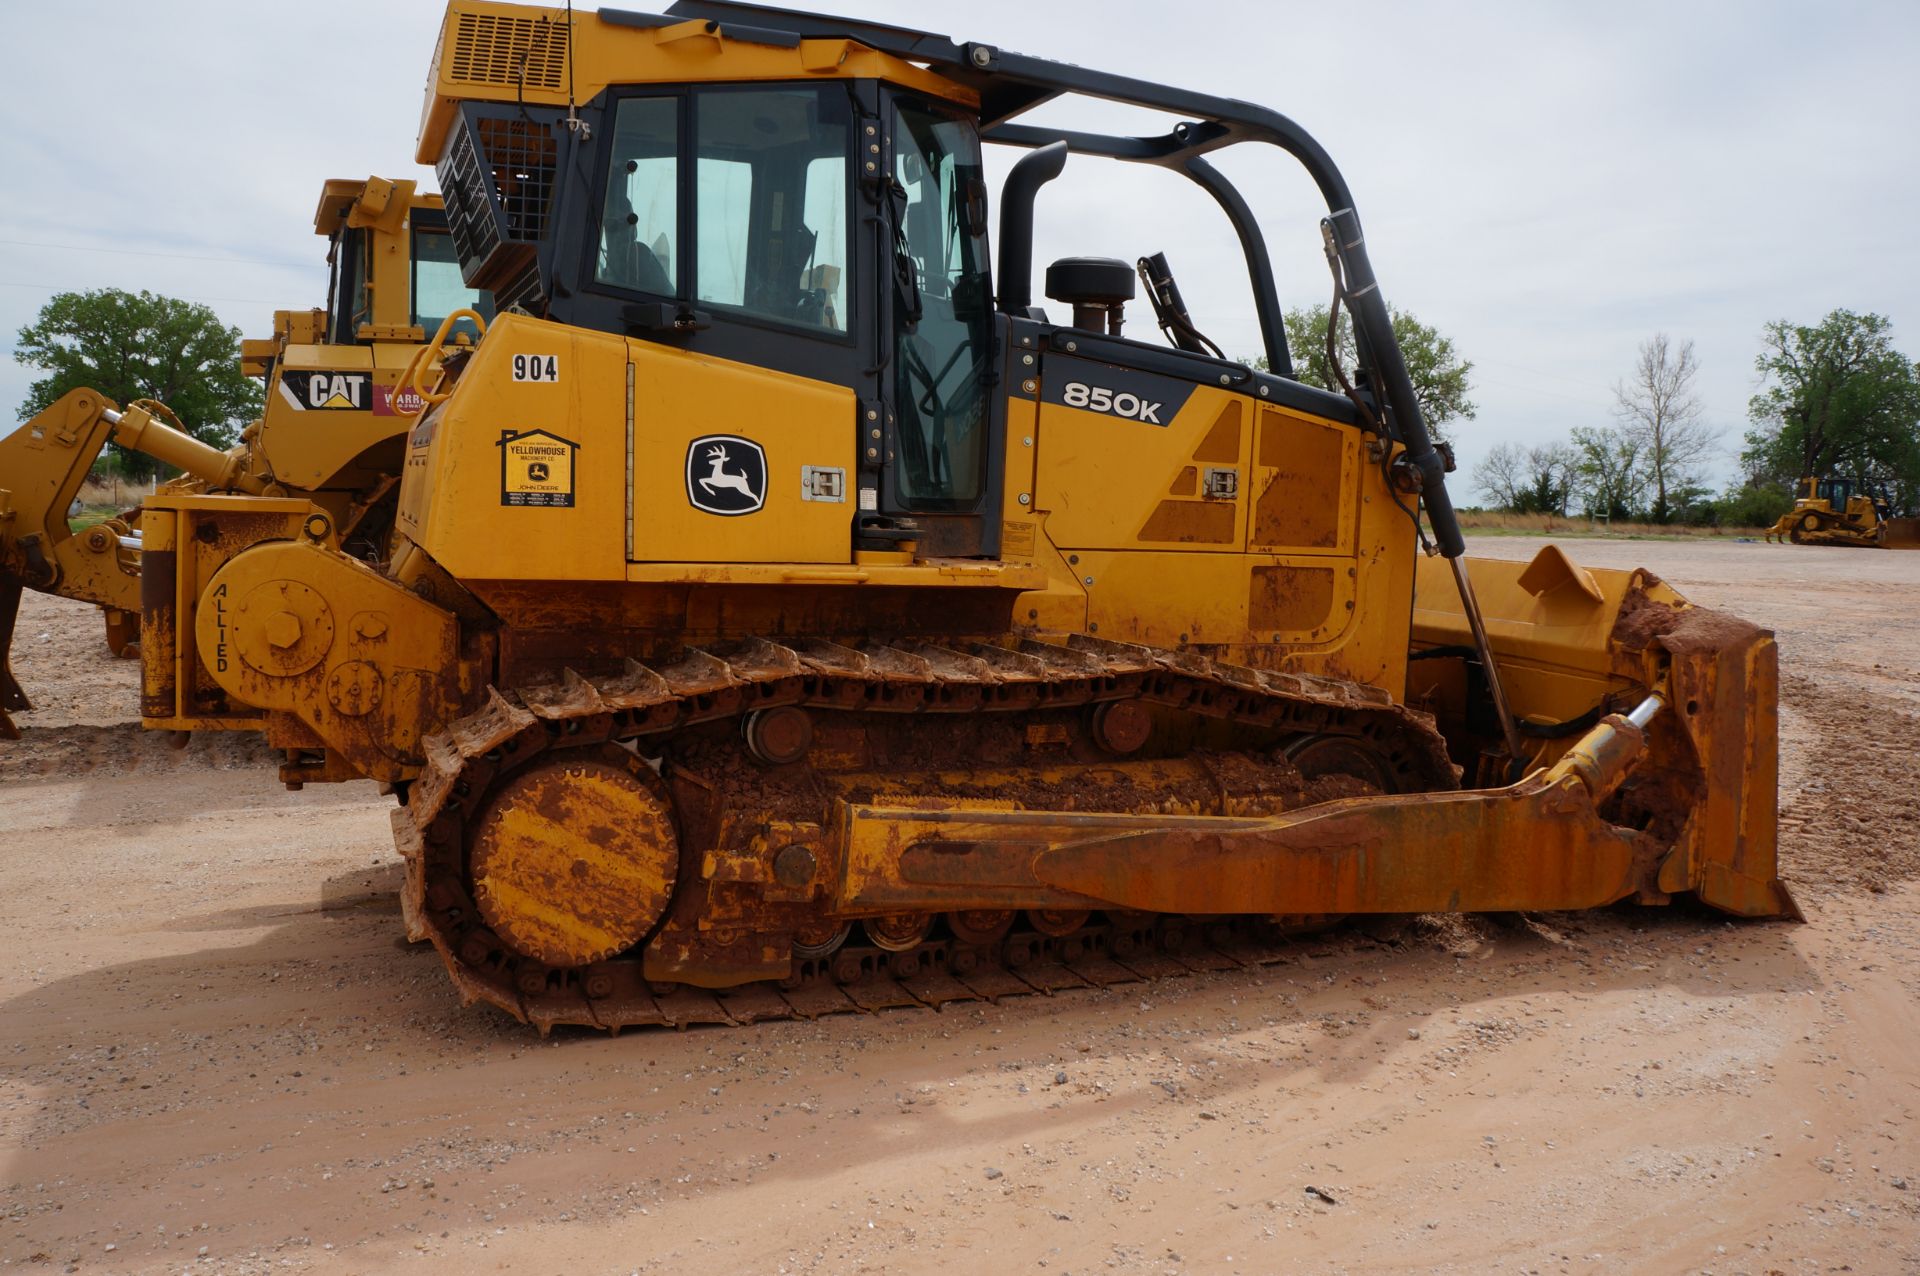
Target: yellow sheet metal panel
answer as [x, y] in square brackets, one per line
[497, 52]
[1304, 496]
[1124, 515]
[521, 475]
[1172, 599]
[524, 473]
[326, 406]
[737, 464]
[1137, 472]
[1019, 526]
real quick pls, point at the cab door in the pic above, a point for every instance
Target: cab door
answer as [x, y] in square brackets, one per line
[728, 218]
[942, 419]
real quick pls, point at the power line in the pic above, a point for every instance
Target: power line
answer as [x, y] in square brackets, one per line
[242, 301]
[283, 263]
[1534, 389]
[1542, 372]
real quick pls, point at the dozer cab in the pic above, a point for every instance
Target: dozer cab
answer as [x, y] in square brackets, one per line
[1829, 512]
[786, 614]
[330, 430]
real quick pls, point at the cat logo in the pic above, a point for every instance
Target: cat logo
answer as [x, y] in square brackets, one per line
[536, 468]
[327, 391]
[726, 475]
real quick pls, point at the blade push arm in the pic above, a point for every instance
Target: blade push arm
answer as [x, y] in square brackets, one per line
[1541, 843]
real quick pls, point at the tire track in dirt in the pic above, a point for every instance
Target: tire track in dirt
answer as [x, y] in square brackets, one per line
[1853, 822]
[126, 748]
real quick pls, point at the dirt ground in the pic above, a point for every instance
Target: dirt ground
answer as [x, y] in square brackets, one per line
[219, 1056]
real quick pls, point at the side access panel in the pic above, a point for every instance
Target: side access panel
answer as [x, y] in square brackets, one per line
[731, 463]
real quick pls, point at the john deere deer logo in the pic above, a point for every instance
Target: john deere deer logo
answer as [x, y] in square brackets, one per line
[726, 475]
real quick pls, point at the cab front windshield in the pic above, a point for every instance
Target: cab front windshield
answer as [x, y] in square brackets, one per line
[940, 268]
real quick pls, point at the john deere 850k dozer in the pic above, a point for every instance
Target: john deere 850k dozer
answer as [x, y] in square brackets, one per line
[787, 615]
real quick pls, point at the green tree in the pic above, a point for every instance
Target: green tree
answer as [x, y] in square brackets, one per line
[1610, 469]
[141, 346]
[1439, 374]
[1751, 503]
[1837, 399]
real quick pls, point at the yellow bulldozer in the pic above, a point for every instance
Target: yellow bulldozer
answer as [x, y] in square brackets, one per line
[1828, 511]
[330, 430]
[786, 615]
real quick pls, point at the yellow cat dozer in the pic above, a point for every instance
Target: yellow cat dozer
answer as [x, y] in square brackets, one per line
[786, 614]
[330, 430]
[1828, 513]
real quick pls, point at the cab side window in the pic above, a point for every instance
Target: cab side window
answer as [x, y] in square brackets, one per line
[348, 287]
[771, 199]
[640, 221]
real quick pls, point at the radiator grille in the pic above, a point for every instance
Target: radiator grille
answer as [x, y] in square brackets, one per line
[486, 49]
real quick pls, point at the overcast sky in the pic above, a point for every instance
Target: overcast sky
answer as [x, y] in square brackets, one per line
[1547, 184]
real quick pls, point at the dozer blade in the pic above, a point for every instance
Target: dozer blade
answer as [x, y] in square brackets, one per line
[1676, 797]
[1568, 637]
[1901, 533]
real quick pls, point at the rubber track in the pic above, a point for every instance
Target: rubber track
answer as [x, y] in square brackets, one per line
[649, 704]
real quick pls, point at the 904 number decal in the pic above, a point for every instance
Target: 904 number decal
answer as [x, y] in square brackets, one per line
[536, 367]
[1122, 403]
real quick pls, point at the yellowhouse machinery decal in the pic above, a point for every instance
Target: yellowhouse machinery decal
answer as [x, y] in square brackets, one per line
[536, 468]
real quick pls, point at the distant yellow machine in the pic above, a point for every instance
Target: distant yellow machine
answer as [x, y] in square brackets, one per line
[1828, 512]
[786, 615]
[330, 431]
[333, 427]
